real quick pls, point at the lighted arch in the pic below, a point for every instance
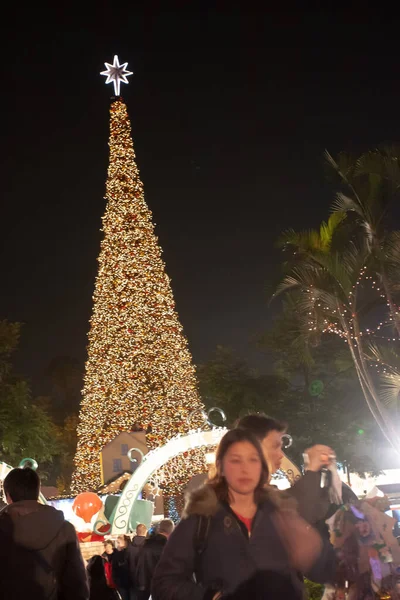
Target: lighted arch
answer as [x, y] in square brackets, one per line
[153, 461]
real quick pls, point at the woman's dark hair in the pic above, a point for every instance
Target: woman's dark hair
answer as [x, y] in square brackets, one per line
[22, 484]
[95, 568]
[218, 481]
[260, 425]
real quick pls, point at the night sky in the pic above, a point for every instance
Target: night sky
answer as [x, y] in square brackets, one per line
[231, 113]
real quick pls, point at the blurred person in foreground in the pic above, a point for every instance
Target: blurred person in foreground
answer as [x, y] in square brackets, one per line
[40, 556]
[149, 557]
[254, 542]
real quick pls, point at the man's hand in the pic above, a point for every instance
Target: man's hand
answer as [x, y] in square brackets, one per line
[319, 456]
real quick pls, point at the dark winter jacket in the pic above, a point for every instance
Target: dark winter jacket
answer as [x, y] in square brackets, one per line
[231, 562]
[133, 553]
[120, 569]
[148, 559]
[40, 556]
[313, 502]
[99, 589]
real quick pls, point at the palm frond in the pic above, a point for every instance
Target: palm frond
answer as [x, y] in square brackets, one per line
[289, 283]
[305, 241]
[385, 354]
[388, 359]
[391, 247]
[328, 230]
[343, 165]
[390, 389]
[341, 271]
[344, 203]
[370, 163]
[383, 162]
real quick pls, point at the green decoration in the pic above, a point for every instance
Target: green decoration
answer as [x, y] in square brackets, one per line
[316, 387]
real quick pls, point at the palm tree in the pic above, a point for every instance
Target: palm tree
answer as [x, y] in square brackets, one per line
[369, 185]
[325, 281]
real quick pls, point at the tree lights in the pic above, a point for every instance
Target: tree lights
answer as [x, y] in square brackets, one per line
[139, 369]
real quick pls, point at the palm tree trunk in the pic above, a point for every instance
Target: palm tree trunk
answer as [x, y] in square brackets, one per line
[366, 383]
[368, 387]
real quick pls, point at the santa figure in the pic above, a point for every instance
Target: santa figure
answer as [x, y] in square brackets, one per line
[89, 519]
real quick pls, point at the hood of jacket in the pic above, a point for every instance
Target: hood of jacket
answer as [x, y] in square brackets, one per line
[203, 501]
[138, 540]
[31, 525]
[156, 540]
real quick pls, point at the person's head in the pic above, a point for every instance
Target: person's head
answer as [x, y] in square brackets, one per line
[123, 541]
[108, 546]
[141, 530]
[166, 527]
[21, 484]
[240, 466]
[269, 433]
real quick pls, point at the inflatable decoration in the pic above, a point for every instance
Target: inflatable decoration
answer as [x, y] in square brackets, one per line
[89, 519]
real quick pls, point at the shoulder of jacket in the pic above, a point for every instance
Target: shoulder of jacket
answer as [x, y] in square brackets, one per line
[202, 501]
[68, 531]
[279, 499]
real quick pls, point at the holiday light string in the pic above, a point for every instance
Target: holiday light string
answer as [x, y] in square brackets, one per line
[332, 326]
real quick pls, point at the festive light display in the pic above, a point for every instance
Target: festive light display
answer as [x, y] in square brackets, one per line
[331, 323]
[139, 370]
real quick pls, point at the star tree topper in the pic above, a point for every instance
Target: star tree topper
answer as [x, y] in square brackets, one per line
[116, 73]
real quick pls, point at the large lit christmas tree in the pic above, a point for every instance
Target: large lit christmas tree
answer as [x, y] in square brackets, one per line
[139, 369]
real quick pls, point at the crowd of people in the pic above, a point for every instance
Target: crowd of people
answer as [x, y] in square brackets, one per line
[126, 571]
[238, 538]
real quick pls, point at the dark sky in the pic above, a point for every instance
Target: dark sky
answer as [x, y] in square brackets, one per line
[230, 112]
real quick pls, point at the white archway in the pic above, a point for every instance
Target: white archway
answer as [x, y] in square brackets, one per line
[153, 461]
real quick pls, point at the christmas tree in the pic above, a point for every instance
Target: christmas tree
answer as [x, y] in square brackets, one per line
[139, 369]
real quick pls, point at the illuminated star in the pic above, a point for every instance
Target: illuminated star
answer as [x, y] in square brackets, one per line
[116, 73]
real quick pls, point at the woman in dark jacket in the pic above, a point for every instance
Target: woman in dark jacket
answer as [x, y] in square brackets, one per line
[99, 589]
[235, 539]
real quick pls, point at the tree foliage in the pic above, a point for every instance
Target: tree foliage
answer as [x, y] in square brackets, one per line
[226, 381]
[322, 402]
[26, 429]
[66, 377]
[326, 270]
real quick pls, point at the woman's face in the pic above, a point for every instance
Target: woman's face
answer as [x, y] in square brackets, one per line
[121, 543]
[241, 467]
[109, 549]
